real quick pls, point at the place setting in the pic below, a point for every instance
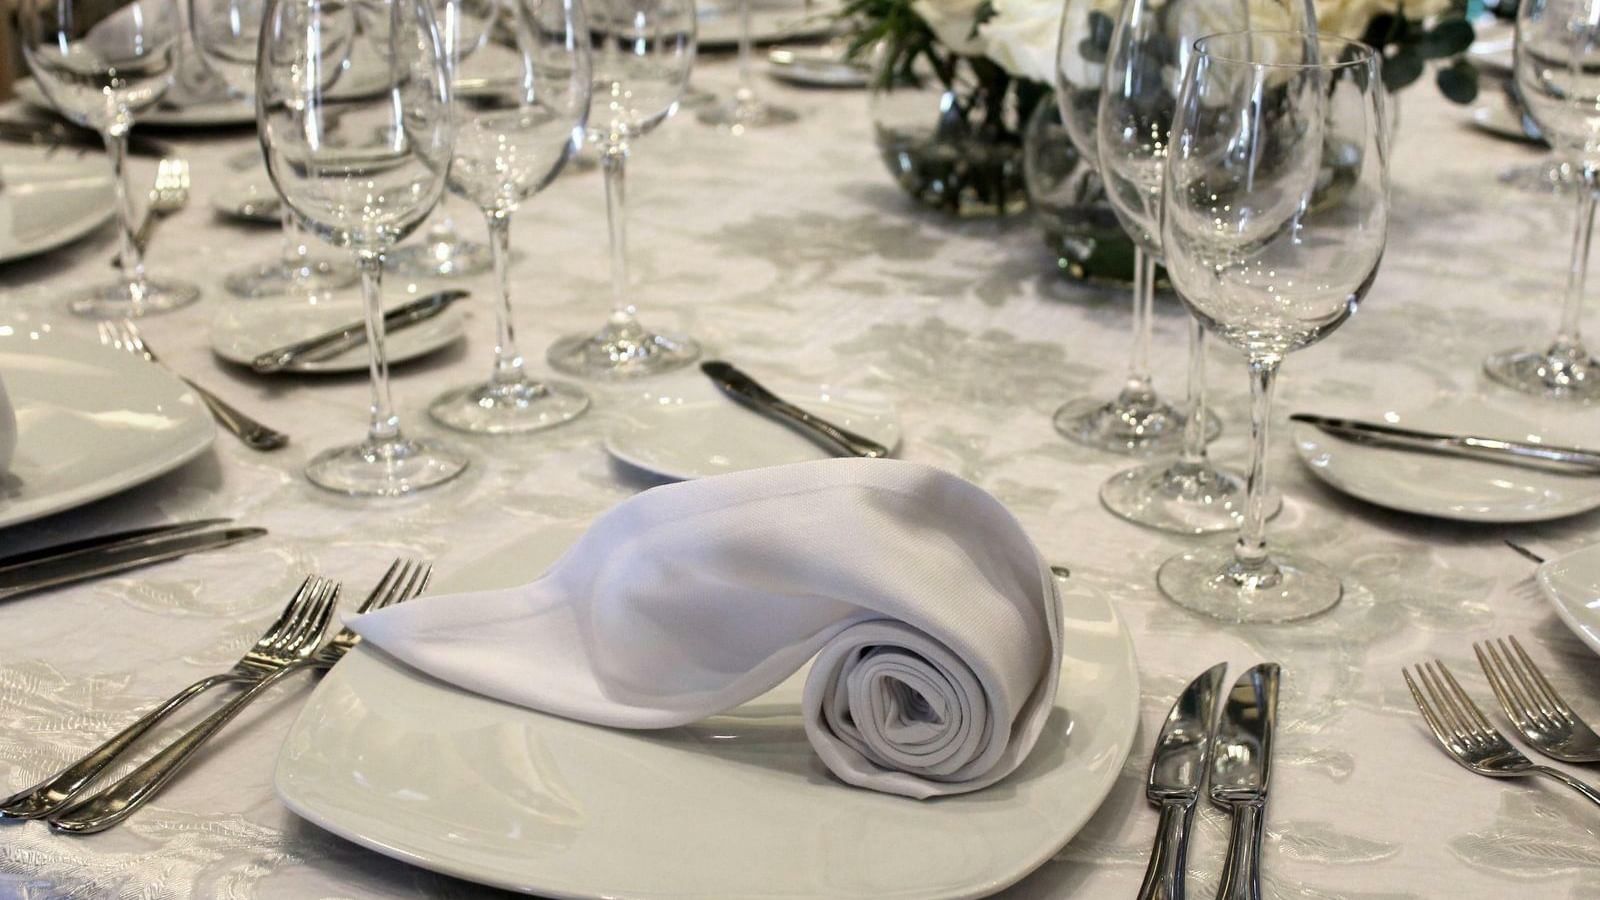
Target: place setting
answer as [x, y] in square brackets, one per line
[351, 549]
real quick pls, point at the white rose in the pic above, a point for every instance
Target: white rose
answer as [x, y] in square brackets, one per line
[1021, 38]
[953, 23]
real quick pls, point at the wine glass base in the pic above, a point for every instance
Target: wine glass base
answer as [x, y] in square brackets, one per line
[1181, 497]
[1210, 581]
[391, 468]
[621, 353]
[515, 408]
[316, 277]
[440, 259]
[738, 115]
[1572, 378]
[1117, 426]
[121, 300]
[1546, 177]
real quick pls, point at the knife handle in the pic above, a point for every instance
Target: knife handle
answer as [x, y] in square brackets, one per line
[848, 441]
[1241, 873]
[1163, 878]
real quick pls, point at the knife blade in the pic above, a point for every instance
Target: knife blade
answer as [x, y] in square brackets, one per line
[1545, 457]
[82, 567]
[1241, 768]
[103, 542]
[332, 343]
[1177, 767]
[746, 390]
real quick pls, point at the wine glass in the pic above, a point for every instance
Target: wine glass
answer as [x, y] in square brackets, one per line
[443, 252]
[1136, 420]
[1144, 64]
[745, 109]
[226, 34]
[101, 64]
[643, 51]
[1557, 74]
[1275, 213]
[361, 172]
[514, 132]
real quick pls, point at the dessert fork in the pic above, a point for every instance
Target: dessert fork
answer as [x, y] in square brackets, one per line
[1532, 704]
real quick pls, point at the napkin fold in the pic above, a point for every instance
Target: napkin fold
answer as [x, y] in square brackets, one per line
[934, 623]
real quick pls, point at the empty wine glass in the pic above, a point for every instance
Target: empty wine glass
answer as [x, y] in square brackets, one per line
[1557, 75]
[1275, 214]
[443, 252]
[745, 109]
[1136, 420]
[1144, 65]
[226, 34]
[101, 64]
[514, 133]
[362, 185]
[643, 51]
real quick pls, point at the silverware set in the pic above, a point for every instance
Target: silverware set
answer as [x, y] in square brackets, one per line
[1536, 710]
[81, 560]
[293, 643]
[1233, 749]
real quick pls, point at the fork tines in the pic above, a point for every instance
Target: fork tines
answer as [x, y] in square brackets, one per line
[1532, 703]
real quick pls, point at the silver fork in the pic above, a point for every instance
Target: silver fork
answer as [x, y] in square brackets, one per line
[404, 580]
[169, 194]
[1532, 704]
[125, 336]
[1468, 737]
[280, 645]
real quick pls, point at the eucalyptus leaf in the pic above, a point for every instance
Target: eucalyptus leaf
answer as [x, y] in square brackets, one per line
[1401, 69]
[1458, 81]
[1450, 37]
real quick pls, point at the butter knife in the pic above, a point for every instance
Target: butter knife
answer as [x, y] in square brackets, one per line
[116, 540]
[1547, 457]
[1241, 766]
[1177, 767]
[332, 343]
[746, 390]
[82, 566]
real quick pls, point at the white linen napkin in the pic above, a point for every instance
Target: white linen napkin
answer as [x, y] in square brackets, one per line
[934, 622]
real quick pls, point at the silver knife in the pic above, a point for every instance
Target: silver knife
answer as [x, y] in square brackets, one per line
[1547, 457]
[1241, 766]
[103, 542]
[50, 573]
[332, 343]
[745, 389]
[1177, 767]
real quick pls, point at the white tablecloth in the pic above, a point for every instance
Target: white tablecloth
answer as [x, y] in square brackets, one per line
[792, 253]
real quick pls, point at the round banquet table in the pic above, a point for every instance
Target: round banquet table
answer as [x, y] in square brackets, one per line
[790, 252]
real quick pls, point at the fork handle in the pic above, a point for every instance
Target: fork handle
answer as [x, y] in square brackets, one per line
[117, 802]
[49, 795]
[255, 435]
[1589, 793]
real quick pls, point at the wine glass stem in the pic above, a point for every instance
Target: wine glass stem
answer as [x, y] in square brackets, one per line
[508, 365]
[294, 249]
[132, 257]
[614, 162]
[1137, 391]
[1193, 452]
[746, 91]
[1568, 338]
[385, 424]
[1251, 551]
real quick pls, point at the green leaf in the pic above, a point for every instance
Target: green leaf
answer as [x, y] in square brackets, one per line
[1402, 68]
[1458, 81]
[1450, 37]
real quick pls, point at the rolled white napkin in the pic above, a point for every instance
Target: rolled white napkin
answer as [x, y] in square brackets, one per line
[933, 621]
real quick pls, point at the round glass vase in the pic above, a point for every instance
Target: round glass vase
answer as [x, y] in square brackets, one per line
[949, 128]
[1069, 203]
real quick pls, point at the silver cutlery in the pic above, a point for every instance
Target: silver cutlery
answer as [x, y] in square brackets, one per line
[1547, 457]
[746, 390]
[169, 194]
[82, 560]
[1524, 552]
[1533, 705]
[1241, 768]
[293, 633]
[403, 581]
[1460, 728]
[1177, 768]
[255, 435]
[346, 337]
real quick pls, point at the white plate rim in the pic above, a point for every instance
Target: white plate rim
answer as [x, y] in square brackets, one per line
[1545, 575]
[1307, 437]
[455, 328]
[66, 234]
[1122, 738]
[127, 478]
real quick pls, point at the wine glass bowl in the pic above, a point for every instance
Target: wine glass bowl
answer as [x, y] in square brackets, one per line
[1276, 209]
